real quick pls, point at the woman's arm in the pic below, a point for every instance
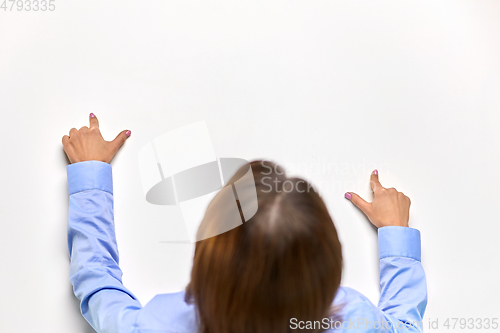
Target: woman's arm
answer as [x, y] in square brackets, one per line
[403, 288]
[94, 272]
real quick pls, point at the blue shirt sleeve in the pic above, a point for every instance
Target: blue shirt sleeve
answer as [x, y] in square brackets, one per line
[403, 288]
[94, 272]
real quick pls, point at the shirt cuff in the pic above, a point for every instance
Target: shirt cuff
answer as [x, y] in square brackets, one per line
[89, 175]
[395, 241]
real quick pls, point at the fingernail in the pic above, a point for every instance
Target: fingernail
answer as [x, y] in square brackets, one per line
[92, 115]
[127, 133]
[347, 195]
[375, 172]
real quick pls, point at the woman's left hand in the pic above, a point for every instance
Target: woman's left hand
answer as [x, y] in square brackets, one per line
[88, 144]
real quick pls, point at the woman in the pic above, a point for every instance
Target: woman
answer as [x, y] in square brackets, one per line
[278, 272]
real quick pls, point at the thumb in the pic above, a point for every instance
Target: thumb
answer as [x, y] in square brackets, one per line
[359, 202]
[119, 140]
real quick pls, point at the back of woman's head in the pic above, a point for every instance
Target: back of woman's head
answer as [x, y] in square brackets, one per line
[285, 262]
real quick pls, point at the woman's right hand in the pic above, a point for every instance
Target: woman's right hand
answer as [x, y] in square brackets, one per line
[388, 208]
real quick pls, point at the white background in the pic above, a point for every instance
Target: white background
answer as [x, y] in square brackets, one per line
[329, 89]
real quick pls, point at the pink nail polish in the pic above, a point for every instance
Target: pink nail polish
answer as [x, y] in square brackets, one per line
[375, 172]
[348, 195]
[127, 133]
[92, 115]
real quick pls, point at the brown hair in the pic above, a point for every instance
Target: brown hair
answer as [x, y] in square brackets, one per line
[283, 263]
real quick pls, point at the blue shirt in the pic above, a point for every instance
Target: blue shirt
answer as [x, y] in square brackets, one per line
[110, 307]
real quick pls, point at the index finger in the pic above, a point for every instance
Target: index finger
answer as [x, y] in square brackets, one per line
[374, 182]
[93, 121]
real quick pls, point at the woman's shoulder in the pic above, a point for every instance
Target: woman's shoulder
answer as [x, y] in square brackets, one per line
[348, 294]
[353, 302]
[355, 311]
[167, 311]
